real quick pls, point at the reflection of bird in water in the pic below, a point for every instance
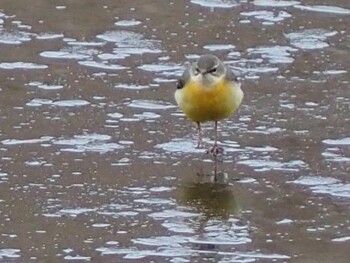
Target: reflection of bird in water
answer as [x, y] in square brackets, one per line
[212, 199]
[208, 91]
[215, 199]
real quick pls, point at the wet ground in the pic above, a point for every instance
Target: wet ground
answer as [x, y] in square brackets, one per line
[98, 164]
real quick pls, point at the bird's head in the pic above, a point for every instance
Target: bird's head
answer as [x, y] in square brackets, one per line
[208, 70]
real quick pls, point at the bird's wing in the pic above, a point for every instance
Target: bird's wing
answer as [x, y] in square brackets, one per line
[181, 82]
[230, 76]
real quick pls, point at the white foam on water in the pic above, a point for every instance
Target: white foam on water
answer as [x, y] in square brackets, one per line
[101, 65]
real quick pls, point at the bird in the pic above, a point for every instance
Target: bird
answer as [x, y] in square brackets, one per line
[208, 91]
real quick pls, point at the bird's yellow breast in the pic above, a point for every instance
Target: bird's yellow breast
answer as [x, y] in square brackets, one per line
[201, 103]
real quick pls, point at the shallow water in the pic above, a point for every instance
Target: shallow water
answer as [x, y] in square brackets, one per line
[99, 165]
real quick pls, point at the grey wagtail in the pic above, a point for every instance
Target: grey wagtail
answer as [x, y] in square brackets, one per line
[208, 91]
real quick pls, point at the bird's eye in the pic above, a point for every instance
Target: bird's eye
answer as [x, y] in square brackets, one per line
[212, 70]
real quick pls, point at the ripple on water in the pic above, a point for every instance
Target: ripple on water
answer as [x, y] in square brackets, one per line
[128, 42]
[164, 69]
[324, 9]
[130, 86]
[26, 141]
[325, 185]
[72, 52]
[7, 253]
[262, 165]
[310, 38]
[49, 36]
[77, 258]
[275, 54]
[42, 86]
[88, 143]
[268, 17]
[337, 142]
[127, 23]
[275, 3]
[151, 104]
[58, 103]
[14, 38]
[101, 65]
[335, 150]
[219, 47]
[216, 3]
[70, 103]
[22, 65]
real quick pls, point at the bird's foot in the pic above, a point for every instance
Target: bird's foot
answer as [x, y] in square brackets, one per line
[215, 150]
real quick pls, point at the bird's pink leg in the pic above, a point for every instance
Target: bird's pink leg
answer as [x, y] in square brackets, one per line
[199, 142]
[215, 149]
